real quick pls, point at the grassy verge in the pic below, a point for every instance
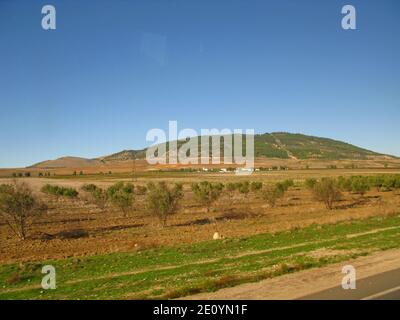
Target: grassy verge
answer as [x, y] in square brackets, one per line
[172, 272]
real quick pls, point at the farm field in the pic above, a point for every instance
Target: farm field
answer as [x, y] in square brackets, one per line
[177, 271]
[132, 256]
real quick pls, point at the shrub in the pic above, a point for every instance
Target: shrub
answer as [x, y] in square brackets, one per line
[256, 186]
[163, 201]
[310, 183]
[244, 187]
[344, 184]
[359, 185]
[141, 190]
[285, 185]
[125, 187]
[272, 194]
[100, 198]
[89, 187]
[18, 207]
[327, 191]
[230, 191]
[121, 196]
[389, 183]
[59, 191]
[288, 183]
[207, 193]
[69, 192]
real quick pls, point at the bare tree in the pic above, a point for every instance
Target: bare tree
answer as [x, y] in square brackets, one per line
[327, 191]
[18, 207]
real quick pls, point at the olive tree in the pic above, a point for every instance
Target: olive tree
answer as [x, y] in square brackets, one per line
[162, 201]
[121, 196]
[19, 207]
[98, 196]
[271, 194]
[207, 193]
[327, 191]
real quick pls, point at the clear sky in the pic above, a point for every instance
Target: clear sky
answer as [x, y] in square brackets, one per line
[112, 70]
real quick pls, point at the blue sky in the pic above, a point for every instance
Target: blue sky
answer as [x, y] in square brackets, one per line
[112, 70]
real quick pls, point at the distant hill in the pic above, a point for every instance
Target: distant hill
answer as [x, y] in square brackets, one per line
[281, 145]
[67, 162]
[299, 146]
[125, 155]
[285, 145]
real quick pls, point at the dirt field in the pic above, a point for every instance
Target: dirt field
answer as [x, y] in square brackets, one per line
[75, 228]
[140, 166]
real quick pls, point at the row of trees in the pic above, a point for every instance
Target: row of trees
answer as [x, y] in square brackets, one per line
[18, 205]
[161, 200]
[329, 190]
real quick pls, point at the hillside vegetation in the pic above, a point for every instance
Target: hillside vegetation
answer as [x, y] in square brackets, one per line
[279, 145]
[284, 146]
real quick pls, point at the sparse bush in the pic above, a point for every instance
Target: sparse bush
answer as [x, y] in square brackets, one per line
[99, 197]
[389, 183]
[256, 186]
[327, 191]
[141, 190]
[59, 191]
[207, 193]
[360, 185]
[231, 187]
[310, 183]
[69, 192]
[122, 196]
[344, 184]
[230, 191]
[89, 187]
[244, 187]
[163, 201]
[18, 207]
[285, 185]
[272, 194]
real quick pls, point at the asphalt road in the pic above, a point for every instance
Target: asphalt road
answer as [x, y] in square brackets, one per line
[383, 286]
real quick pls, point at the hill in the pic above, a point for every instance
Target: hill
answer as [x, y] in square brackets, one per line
[280, 145]
[285, 145]
[124, 155]
[299, 146]
[67, 162]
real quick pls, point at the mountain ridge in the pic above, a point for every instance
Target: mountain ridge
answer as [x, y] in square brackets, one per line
[283, 145]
